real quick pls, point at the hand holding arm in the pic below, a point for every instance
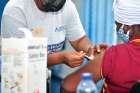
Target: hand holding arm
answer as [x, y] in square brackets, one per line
[70, 58]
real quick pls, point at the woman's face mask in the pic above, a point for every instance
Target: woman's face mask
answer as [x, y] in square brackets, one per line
[122, 35]
[53, 5]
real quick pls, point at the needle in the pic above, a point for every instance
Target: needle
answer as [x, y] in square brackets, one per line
[89, 57]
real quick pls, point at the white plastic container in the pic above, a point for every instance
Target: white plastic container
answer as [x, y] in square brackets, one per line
[24, 65]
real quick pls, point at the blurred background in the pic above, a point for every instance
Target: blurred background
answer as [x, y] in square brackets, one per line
[97, 19]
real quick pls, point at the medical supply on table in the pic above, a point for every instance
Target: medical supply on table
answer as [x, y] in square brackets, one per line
[24, 64]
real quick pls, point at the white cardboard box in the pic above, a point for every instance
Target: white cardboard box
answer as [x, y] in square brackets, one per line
[24, 64]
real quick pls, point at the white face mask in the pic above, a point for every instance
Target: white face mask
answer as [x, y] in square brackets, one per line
[122, 35]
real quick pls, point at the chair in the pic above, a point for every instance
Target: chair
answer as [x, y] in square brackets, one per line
[135, 88]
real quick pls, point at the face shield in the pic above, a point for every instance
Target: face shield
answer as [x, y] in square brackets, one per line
[53, 5]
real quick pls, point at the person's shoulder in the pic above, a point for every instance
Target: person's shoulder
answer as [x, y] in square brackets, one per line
[119, 46]
[69, 8]
[112, 53]
[117, 49]
[69, 1]
[69, 4]
[13, 5]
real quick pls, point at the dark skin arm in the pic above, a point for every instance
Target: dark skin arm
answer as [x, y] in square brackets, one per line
[70, 83]
[82, 44]
[85, 45]
[72, 58]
